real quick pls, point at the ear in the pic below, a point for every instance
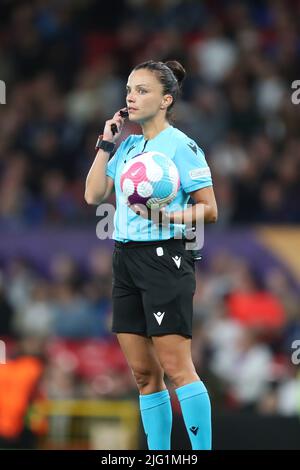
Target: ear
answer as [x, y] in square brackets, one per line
[166, 101]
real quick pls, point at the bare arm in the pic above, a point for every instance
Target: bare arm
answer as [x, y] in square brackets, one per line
[98, 185]
[204, 197]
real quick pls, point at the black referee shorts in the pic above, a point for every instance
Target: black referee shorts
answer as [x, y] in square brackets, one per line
[153, 288]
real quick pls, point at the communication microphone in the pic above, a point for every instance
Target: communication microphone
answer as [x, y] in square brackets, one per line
[113, 127]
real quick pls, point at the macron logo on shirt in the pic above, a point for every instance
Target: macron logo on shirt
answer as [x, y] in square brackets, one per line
[193, 147]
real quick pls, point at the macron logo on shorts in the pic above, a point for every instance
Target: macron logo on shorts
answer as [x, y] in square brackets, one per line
[177, 260]
[159, 317]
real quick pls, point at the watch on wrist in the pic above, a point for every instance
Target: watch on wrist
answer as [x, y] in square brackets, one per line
[104, 145]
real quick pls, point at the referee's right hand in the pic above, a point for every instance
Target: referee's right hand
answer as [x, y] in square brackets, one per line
[118, 121]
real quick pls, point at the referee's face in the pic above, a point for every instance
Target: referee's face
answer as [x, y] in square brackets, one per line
[145, 99]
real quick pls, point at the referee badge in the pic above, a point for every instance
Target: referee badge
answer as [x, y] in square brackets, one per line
[159, 251]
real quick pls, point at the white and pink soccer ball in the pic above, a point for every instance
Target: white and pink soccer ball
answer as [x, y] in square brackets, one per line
[151, 179]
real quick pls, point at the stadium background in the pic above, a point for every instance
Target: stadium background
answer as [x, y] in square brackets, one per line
[65, 383]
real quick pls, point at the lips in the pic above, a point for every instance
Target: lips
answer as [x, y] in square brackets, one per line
[132, 109]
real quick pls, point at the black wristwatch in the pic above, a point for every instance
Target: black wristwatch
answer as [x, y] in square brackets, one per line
[104, 145]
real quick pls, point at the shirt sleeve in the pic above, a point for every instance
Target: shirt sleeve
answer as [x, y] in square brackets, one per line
[112, 163]
[193, 169]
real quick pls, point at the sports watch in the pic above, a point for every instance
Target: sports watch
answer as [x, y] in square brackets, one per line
[104, 145]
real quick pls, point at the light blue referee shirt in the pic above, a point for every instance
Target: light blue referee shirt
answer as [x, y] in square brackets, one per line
[193, 171]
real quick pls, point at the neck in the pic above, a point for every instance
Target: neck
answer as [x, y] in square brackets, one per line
[152, 128]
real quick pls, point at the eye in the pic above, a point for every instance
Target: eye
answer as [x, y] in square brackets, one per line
[142, 92]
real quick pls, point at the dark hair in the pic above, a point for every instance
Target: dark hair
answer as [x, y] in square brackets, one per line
[170, 74]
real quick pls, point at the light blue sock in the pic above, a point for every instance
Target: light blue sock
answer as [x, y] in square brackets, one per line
[156, 414]
[196, 410]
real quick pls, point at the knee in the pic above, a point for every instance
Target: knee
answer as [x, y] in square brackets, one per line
[148, 380]
[180, 373]
[173, 370]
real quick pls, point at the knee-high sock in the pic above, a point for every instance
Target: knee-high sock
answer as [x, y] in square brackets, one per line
[196, 410]
[156, 414]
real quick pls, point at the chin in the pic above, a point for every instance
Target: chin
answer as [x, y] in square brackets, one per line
[135, 119]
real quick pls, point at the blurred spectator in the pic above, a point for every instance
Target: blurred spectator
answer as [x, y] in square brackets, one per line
[36, 316]
[19, 282]
[252, 305]
[6, 313]
[215, 54]
[245, 368]
[288, 394]
[20, 382]
[73, 314]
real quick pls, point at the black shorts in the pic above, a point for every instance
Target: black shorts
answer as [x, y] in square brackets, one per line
[153, 288]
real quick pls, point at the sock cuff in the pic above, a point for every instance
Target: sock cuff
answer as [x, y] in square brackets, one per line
[190, 390]
[154, 399]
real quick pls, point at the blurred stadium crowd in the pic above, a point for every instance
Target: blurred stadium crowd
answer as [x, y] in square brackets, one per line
[65, 65]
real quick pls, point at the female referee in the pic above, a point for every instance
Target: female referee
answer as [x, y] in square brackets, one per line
[153, 273]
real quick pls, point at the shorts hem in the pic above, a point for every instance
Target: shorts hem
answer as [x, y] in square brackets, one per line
[166, 333]
[118, 330]
[149, 335]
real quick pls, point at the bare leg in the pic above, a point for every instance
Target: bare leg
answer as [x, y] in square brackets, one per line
[143, 361]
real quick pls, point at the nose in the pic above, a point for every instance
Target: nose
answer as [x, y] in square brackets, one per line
[130, 98]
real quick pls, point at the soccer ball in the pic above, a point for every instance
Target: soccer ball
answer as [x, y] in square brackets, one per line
[151, 179]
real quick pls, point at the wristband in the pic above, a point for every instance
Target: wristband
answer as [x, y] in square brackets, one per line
[104, 145]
